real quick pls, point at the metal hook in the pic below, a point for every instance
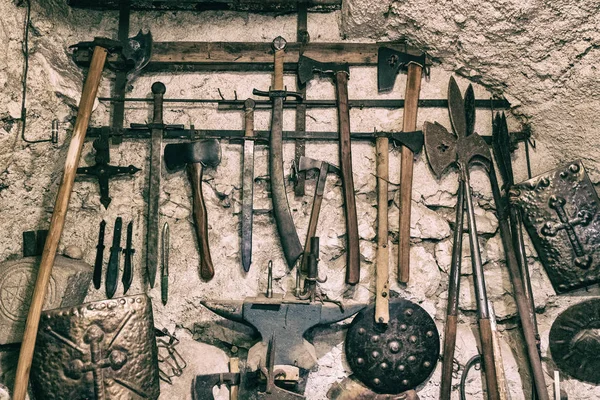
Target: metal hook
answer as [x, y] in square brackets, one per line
[221, 94]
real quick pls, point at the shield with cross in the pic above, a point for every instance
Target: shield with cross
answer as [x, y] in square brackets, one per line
[101, 351]
[561, 212]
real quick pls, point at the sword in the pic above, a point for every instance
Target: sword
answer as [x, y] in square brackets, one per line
[248, 184]
[157, 127]
[128, 252]
[112, 271]
[164, 273]
[99, 256]
[290, 242]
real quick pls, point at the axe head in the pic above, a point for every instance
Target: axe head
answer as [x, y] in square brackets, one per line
[390, 62]
[203, 384]
[440, 147]
[207, 152]
[307, 163]
[135, 53]
[307, 68]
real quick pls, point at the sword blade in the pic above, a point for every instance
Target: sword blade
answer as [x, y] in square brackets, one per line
[164, 273]
[112, 271]
[99, 256]
[247, 203]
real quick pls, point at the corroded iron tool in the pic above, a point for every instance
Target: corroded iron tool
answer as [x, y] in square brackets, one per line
[389, 63]
[112, 270]
[272, 391]
[203, 385]
[101, 48]
[461, 149]
[164, 272]
[128, 252]
[248, 184]
[195, 156]
[99, 256]
[324, 168]
[290, 242]
[307, 67]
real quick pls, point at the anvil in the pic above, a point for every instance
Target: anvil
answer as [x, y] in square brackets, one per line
[286, 319]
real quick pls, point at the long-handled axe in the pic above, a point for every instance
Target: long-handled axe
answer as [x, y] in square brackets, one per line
[307, 67]
[389, 63]
[101, 48]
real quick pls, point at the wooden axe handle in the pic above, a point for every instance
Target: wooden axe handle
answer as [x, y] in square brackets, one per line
[409, 124]
[382, 269]
[58, 221]
[207, 271]
[353, 245]
[234, 367]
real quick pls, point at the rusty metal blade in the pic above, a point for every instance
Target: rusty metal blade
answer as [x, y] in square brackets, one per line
[456, 107]
[501, 148]
[440, 147]
[470, 111]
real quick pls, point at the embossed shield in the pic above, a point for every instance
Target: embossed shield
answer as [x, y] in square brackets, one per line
[103, 350]
[560, 211]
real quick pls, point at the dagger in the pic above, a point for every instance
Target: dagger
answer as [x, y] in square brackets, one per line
[128, 252]
[99, 256]
[164, 273]
[112, 271]
[248, 184]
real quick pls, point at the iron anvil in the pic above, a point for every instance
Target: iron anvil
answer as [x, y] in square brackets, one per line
[286, 319]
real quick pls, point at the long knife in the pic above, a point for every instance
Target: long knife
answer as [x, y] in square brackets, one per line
[99, 256]
[158, 90]
[248, 184]
[164, 272]
[288, 235]
[112, 271]
[128, 255]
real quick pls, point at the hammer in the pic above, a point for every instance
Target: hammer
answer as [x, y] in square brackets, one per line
[195, 156]
[306, 164]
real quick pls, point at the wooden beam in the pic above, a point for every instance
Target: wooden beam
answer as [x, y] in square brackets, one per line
[202, 5]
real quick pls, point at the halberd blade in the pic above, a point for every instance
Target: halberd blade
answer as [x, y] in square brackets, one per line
[501, 148]
[469, 111]
[456, 107]
[440, 147]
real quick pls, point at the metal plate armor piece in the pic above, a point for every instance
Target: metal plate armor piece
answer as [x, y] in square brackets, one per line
[560, 212]
[103, 350]
[575, 341]
[395, 357]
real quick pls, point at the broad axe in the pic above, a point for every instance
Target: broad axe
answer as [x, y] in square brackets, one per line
[306, 164]
[137, 52]
[460, 149]
[307, 67]
[389, 63]
[286, 319]
[197, 155]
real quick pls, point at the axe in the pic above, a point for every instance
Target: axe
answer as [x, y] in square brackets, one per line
[203, 385]
[307, 67]
[389, 63]
[101, 48]
[195, 156]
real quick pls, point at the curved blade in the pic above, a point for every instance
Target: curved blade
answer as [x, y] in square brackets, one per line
[469, 111]
[440, 147]
[456, 107]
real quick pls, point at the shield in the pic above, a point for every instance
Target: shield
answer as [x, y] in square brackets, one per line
[560, 212]
[102, 350]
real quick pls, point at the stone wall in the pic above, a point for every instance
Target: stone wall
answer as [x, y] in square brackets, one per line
[540, 56]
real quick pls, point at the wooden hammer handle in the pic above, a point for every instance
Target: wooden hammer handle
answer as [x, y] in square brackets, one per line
[207, 271]
[58, 221]
[409, 124]
[353, 245]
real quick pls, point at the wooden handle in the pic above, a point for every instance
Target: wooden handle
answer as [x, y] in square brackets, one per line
[448, 360]
[487, 350]
[249, 118]
[312, 230]
[58, 221]
[207, 271]
[278, 70]
[353, 245]
[382, 270]
[234, 367]
[409, 124]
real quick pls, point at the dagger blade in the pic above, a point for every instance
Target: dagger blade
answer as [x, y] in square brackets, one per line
[112, 271]
[99, 256]
[128, 255]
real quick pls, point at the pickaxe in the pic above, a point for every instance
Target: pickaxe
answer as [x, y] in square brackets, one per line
[197, 155]
[307, 67]
[102, 47]
[306, 164]
[461, 149]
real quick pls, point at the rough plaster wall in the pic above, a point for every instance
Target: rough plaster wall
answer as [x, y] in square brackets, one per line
[534, 72]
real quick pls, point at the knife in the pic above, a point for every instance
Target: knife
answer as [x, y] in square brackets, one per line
[99, 256]
[112, 271]
[128, 254]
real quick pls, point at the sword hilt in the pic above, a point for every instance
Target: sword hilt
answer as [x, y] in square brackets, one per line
[279, 45]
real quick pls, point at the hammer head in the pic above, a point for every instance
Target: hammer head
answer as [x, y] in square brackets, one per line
[307, 67]
[207, 152]
[307, 163]
[389, 63]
